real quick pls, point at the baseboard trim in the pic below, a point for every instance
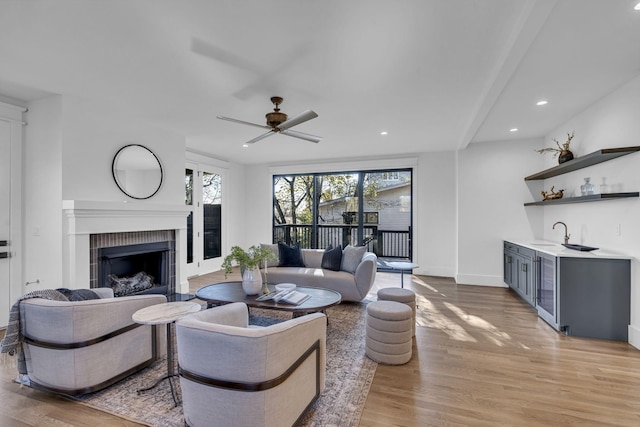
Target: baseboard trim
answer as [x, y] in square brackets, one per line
[634, 336]
[480, 280]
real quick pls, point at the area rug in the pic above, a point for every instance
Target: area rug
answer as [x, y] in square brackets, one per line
[349, 375]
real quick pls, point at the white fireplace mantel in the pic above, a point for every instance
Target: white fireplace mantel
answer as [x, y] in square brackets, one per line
[91, 217]
[85, 217]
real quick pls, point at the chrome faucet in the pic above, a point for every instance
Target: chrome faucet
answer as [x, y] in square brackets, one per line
[566, 235]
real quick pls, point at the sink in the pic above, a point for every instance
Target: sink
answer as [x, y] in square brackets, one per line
[578, 247]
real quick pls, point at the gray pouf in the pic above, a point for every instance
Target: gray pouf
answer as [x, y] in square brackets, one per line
[405, 296]
[389, 332]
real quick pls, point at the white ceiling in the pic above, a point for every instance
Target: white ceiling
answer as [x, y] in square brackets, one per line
[436, 74]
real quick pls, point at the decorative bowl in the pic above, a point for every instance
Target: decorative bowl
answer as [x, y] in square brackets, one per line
[285, 286]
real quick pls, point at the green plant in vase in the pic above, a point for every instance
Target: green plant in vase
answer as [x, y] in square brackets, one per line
[251, 259]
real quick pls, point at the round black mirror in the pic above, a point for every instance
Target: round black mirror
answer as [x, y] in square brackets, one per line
[137, 171]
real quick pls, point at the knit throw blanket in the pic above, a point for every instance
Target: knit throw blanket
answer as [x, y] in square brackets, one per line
[12, 342]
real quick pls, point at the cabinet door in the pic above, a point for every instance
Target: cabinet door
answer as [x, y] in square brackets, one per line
[509, 268]
[547, 294]
[525, 278]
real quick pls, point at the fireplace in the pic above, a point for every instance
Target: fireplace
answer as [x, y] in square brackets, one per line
[128, 261]
[92, 226]
[126, 254]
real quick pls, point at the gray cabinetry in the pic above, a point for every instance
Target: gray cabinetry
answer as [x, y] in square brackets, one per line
[519, 271]
[583, 296]
[594, 297]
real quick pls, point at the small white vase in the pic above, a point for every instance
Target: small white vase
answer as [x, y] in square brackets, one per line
[251, 281]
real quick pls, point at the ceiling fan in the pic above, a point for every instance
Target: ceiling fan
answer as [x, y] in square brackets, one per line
[278, 122]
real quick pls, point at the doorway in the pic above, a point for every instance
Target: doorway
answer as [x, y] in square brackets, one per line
[5, 220]
[10, 207]
[203, 192]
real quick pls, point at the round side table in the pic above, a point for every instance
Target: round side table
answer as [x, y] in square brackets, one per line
[165, 314]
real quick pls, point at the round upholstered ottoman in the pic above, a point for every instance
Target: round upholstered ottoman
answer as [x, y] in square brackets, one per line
[389, 332]
[405, 296]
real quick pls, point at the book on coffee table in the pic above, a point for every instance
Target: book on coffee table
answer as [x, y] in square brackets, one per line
[290, 297]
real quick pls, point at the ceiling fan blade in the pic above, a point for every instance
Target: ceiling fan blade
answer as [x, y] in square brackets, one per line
[242, 122]
[300, 118]
[258, 138]
[301, 135]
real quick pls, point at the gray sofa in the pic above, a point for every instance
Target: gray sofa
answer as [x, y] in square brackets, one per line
[352, 287]
[84, 346]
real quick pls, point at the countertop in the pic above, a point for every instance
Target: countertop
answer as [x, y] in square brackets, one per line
[556, 249]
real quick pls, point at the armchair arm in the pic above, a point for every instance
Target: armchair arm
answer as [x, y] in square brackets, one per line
[235, 314]
[365, 273]
[246, 354]
[66, 322]
[262, 385]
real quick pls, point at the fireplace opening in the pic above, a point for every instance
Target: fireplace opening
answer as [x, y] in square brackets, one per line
[129, 266]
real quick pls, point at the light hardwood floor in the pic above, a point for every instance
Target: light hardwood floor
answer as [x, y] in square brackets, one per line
[481, 357]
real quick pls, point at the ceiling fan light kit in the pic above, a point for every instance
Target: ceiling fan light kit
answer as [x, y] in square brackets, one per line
[278, 122]
[275, 117]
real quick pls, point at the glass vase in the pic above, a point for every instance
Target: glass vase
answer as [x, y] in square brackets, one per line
[587, 188]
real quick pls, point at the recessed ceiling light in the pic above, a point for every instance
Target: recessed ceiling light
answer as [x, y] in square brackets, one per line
[245, 145]
[542, 102]
[513, 130]
[384, 132]
[637, 7]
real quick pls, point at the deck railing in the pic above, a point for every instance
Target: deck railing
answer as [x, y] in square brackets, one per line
[384, 243]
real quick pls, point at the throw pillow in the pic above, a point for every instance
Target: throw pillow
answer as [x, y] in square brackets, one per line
[78, 294]
[273, 248]
[290, 256]
[332, 258]
[351, 257]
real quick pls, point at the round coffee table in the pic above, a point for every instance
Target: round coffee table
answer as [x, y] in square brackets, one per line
[228, 292]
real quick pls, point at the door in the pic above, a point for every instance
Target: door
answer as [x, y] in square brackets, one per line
[203, 185]
[547, 295]
[5, 218]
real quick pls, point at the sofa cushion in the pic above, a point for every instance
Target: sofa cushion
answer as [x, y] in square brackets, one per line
[290, 256]
[351, 257]
[273, 248]
[332, 258]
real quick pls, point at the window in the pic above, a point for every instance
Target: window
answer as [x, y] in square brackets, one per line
[372, 207]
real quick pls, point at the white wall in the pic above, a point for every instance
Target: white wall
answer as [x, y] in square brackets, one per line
[93, 134]
[436, 220]
[42, 194]
[491, 197]
[434, 204]
[69, 148]
[611, 122]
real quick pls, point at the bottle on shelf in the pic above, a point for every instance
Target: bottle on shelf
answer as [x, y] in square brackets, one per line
[604, 188]
[587, 188]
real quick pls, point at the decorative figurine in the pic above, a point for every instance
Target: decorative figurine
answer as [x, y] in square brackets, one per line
[552, 195]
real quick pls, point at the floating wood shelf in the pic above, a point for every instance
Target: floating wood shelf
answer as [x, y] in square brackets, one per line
[583, 199]
[583, 162]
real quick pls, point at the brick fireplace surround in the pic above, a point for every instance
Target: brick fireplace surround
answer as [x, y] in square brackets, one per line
[126, 239]
[89, 225]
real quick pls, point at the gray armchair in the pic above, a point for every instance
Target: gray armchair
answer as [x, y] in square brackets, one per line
[84, 346]
[232, 374]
